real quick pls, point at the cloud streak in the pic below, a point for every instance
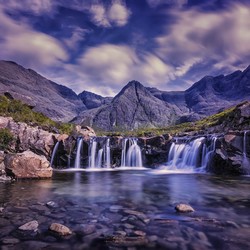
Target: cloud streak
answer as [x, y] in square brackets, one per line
[20, 42]
[117, 14]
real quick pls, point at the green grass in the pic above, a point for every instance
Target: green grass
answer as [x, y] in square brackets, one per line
[21, 112]
[6, 138]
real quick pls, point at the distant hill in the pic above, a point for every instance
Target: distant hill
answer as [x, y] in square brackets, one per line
[133, 107]
[53, 100]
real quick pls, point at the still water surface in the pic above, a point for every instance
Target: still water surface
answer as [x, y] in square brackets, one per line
[122, 209]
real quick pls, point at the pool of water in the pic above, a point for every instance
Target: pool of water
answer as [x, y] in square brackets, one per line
[127, 210]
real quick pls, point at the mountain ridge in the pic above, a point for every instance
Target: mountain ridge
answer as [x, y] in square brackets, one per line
[133, 107]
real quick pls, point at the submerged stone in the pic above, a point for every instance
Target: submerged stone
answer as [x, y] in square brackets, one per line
[30, 226]
[184, 208]
[60, 229]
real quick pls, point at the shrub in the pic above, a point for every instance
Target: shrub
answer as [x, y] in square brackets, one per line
[6, 138]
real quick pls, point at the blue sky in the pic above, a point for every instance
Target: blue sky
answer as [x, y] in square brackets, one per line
[99, 45]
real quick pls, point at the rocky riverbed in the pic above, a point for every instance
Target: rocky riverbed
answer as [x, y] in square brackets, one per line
[125, 210]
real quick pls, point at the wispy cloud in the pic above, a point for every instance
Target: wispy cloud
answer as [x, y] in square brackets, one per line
[221, 37]
[31, 48]
[36, 7]
[116, 14]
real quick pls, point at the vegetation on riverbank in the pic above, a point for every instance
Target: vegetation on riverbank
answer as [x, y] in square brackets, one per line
[6, 138]
[21, 112]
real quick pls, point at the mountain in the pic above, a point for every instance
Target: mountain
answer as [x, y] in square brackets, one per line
[92, 100]
[55, 101]
[211, 94]
[133, 107]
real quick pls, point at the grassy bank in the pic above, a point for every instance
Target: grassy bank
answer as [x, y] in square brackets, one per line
[21, 112]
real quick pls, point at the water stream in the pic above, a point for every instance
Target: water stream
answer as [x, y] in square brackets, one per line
[125, 209]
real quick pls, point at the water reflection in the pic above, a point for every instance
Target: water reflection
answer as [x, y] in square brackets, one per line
[86, 197]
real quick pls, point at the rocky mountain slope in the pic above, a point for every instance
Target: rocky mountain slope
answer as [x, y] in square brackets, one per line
[92, 100]
[134, 107]
[55, 101]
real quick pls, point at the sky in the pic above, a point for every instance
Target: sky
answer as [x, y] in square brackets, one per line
[100, 46]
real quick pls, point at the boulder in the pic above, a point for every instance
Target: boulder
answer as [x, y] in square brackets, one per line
[27, 165]
[222, 163]
[85, 131]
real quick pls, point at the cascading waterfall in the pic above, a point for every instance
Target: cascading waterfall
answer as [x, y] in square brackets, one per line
[99, 156]
[92, 153]
[131, 153]
[245, 144]
[246, 160]
[190, 154]
[107, 154]
[185, 155]
[124, 148]
[207, 152]
[78, 153]
[54, 153]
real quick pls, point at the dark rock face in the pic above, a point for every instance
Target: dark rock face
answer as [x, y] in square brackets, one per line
[55, 101]
[91, 100]
[211, 94]
[132, 108]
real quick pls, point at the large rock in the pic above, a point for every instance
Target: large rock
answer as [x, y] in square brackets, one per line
[31, 138]
[85, 131]
[27, 165]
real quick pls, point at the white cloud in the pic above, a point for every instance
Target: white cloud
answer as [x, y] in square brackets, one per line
[117, 14]
[37, 7]
[31, 48]
[104, 68]
[220, 37]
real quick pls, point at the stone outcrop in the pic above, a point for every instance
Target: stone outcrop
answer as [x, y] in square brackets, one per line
[31, 138]
[85, 131]
[231, 156]
[27, 165]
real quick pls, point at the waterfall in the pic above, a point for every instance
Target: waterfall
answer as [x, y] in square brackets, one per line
[207, 152]
[107, 155]
[78, 153]
[190, 154]
[99, 153]
[245, 144]
[99, 158]
[54, 153]
[92, 153]
[131, 157]
[124, 148]
[246, 160]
